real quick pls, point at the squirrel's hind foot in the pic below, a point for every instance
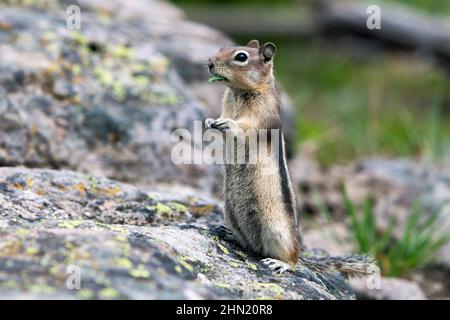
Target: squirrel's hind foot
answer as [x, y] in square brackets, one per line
[224, 233]
[275, 265]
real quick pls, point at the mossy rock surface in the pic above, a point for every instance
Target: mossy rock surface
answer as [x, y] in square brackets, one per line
[55, 225]
[103, 99]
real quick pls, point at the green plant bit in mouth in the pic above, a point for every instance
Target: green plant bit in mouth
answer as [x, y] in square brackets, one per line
[216, 78]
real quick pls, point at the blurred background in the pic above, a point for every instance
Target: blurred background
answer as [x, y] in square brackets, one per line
[356, 93]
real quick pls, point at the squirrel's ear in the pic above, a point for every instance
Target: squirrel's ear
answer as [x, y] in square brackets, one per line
[253, 44]
[267, 51]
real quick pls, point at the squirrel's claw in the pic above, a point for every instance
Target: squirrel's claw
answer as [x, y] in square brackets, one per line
[220, 124]
[209, 123]
[275, 265]
[224, 233]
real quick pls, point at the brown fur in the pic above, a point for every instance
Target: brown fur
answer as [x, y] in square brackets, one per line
[254, 207]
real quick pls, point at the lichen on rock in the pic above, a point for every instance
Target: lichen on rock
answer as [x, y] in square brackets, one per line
[125, 248]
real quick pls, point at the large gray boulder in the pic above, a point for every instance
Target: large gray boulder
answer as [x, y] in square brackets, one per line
[105, 99]
[121, 242]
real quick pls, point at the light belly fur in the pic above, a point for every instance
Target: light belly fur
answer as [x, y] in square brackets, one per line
[259, 185]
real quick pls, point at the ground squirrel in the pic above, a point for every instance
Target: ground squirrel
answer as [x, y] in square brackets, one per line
[260, 211]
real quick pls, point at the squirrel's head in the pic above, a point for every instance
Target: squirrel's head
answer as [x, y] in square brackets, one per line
[245, 68]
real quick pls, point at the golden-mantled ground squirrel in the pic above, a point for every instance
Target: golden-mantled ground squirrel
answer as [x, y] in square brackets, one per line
[260, 211]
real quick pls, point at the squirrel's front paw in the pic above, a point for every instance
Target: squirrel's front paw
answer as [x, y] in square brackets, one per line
[221, 124]
[209, 123]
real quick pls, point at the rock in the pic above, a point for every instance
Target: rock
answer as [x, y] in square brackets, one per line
[70, 235]
[105, 99]
[433, 280]
[390, 289]
[102, 100]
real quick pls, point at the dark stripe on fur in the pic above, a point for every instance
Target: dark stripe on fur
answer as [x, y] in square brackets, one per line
[234, 223]
[287, 198]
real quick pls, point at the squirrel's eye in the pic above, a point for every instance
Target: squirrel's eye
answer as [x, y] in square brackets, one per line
[241, 57]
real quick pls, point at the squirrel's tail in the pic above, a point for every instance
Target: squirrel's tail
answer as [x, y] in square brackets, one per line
[351, 265]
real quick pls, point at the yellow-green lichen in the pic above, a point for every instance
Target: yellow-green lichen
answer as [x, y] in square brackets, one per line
[183, 261]
[233, 264]
[187, 266]
[79, 38]
[85, 294]
[163, 209]
[69, 245]
[108, 293]
[121, 238]
[32, 251]
[9, 284]
[103, 76]
[41, 289]
[252, 266]
[141, 81]
[178, 269]
[241, 254]
[214, 237]
[187, 258]
[223, 248]
[179, 207]
[116, 228]
[70, 224]
[76, 69]
[140, 272]
[55, 270]
[22, 232]
[273, 287]
[207, 268]
[152, 196]
[121, 51]
[222, 285]
[119, 91]
[164, 99]
[123, 263]
[102, 280]
[93, 184]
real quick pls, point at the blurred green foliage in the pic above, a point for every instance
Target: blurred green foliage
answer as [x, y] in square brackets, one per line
[417, 246]
[433, 6]
[355, 106]
[237, 2]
